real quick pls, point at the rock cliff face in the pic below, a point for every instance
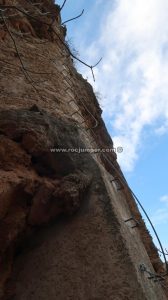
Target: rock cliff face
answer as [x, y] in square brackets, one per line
[62, 229]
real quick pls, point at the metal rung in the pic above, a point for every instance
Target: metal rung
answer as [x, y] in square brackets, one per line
[118, 184]
[75, 113]
[82, 122]
[34, 4]
[119, 189]
[158, 276]
[129, 219]
[112, 180]
[132, 219]
[72, 100]
[134, 226]
[142, 268]
[160, 279]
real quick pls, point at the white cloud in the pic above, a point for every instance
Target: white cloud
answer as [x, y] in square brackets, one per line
[161, 215]
[128, 156]
[163, 129]
[133, 75]
[164, 199]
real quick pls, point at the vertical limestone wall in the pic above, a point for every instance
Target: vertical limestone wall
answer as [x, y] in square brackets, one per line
[69, 240]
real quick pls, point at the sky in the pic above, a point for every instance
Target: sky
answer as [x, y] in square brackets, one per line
[132, 88]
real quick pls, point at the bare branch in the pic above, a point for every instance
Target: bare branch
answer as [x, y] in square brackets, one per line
[63, 5]
[46, 23]
[165, 252]
[74, 18]
[24, 70]
[97, 62]
[93, 74]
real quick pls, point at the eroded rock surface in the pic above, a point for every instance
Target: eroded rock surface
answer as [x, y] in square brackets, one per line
[37, 185]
